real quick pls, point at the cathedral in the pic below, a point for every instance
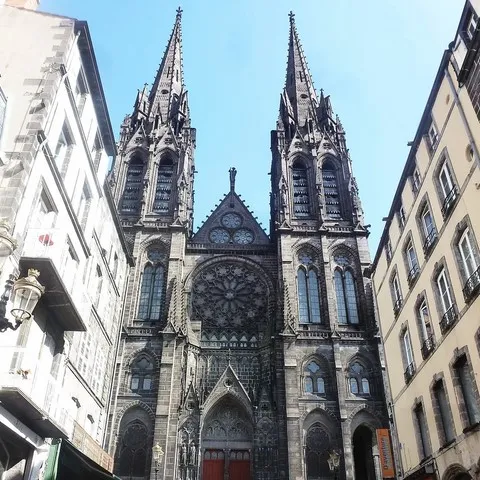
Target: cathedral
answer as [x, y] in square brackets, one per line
[245, 355]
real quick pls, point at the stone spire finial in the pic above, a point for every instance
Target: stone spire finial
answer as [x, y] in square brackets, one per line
[233, 174]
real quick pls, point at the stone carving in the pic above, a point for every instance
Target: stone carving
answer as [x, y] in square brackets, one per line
[230, 295]
[229, 424]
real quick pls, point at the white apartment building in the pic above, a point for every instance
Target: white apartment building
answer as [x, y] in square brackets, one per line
[56, 148]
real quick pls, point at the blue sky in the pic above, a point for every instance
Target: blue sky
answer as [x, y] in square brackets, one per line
[376, 58]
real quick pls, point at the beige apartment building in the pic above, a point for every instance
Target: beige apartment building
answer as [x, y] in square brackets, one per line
[61, 242]
[427, 277]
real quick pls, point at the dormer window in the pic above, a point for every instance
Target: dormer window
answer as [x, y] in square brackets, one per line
[301, 200]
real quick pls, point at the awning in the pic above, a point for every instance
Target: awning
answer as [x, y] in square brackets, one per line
[65, 462]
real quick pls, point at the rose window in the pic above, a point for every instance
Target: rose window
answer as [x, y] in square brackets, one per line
[229, 296]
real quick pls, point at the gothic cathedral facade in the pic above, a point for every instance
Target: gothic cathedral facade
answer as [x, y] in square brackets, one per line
[244, 355]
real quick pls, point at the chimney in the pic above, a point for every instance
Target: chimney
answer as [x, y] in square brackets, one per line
[28, 4]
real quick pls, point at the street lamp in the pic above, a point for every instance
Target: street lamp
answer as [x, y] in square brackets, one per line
[334, 462]
[25, 294]
[157, 453]
[7, 243]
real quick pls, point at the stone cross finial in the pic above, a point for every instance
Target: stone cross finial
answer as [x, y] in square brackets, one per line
[179, 12]
[291, 15]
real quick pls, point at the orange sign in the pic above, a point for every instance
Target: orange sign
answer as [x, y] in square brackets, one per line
[385, 450]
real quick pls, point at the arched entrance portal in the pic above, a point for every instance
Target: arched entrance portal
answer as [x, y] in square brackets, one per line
[363, 453]
[227, 443]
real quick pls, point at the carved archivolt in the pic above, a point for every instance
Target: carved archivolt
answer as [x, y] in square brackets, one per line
[229, 423]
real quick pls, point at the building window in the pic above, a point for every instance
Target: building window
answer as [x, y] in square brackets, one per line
[132, 193]
[317, 448]
[163, 191]
[447, 306]
[97, 149]
[411, 261]
[345, 290]
[407, 354]
[45, 212]
[416, 180]
[469, 262]
[358, 379]
[447, 189]
[308, 296]
[84, 205]
[63, 149]
[467, 393]
[397, 297]
[429, 232]
[330, 189]
[423, 439]
[425, 328]
[432, 136]
[402, 219]
[301, 200]
[131, 455]
[388, 250]
[314, 379]
[444, 417]
[471, 25]
[142, 374]
[81, 91]
[151, 292]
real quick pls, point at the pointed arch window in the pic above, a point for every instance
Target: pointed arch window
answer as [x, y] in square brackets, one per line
[345, 291]
[151, 292]
[331, 191]
[132, 194]
[132, 451]
[317, 449]
[142, 374]
[308, 296]
[301, 200]
[359, 380]
[163, 190]
[314, 378]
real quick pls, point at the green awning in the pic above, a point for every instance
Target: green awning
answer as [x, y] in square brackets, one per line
[66, 462]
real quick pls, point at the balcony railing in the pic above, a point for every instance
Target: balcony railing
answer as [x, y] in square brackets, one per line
[413, 274]
[448, 319]
[428, 346]
[409, 372]
[49, 251]
[472, 285]
[397, 306]
[449, 201]
[430, 240]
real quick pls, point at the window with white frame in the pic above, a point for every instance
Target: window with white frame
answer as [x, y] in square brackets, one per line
[429, 231]
[407, 351]
[63, 149]
[444, 291]
[402, 219]
[45, 212]
[424, 320]
[467, 394]
[396, 292]
[448, 189]
[471, 25]
[412, 260]
[432, 135]
[416, 181]
[81, 91]
[468, 253]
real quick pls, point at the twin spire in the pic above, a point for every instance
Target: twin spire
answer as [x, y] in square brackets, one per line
[299, 106]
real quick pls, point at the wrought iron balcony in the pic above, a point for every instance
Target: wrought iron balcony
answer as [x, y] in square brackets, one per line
[428, 346]
[449, 201]
[65, 298]
[430, 240]
[448, 318]
[413, 274]
[397, 306]
[472, 285]
[409, 372]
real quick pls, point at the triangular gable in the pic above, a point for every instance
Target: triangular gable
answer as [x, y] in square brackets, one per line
[230, 230]
[139, 139]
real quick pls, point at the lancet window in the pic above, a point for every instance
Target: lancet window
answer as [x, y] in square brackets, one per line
[151, 293]
[314, 379]
[142, 372]
[163, 190]
[132, 194]
[331, 191]
[347, 309]
[132, 450]
[308, 291]
[301, 200]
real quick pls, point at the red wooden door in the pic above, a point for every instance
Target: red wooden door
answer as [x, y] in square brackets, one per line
[239, 465]
[213, 465]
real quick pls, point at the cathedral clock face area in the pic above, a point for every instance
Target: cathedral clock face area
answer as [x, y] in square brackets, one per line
[231, 220]
[219, 235]
[230, 296]
[243, 236]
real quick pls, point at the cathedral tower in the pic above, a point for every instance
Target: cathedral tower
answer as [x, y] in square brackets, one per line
[244, 356]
